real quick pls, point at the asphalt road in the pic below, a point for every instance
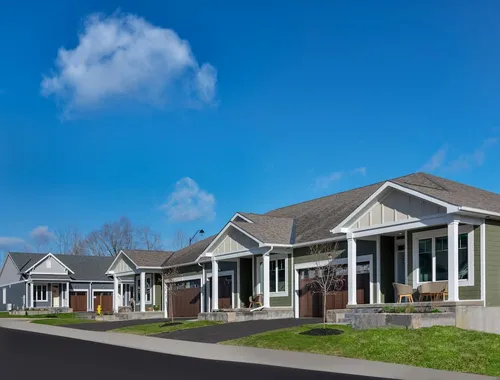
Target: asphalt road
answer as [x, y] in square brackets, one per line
[45, 357]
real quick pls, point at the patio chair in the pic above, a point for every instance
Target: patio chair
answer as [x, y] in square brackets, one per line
[433, 290]
[255, 301]
[403, 291]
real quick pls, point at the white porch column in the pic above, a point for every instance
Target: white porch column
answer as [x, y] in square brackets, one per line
[143, 292]
[32, 300]
[215, 285]
[265, 282]
[122, 296]
[351, 271]
[67, 294]
[453, 260]
[238, 282]
[203, 287]
[115, 294]
[165, 296]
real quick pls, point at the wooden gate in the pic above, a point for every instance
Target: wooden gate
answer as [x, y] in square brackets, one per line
[311, 302]
[78, 301]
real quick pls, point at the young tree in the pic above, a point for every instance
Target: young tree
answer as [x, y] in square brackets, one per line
[328, 276]
[169, 275]
[148, 239]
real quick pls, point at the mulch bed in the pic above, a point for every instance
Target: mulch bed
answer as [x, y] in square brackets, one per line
[170, 324]
[322, 332]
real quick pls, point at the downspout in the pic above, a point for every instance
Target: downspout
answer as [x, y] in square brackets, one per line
[265, 254]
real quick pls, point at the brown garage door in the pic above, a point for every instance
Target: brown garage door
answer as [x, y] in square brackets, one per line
[105, 299]
[185, 299]
[311, 303]
[78, 301]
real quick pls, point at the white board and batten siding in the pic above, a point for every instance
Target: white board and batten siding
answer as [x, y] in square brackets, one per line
[397, 207]
[234, 241]
[123, 266]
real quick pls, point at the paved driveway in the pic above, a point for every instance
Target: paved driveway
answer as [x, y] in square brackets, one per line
[107, 326]
[228, 331]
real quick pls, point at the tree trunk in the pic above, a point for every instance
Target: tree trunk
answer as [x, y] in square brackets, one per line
[324, 310]
[171, 305]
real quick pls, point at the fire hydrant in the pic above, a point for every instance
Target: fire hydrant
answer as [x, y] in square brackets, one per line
[99, 309]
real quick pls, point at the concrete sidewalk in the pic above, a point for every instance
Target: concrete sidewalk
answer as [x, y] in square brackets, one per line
[285, 359]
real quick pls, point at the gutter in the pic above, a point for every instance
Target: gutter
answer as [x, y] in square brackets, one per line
[478, 211]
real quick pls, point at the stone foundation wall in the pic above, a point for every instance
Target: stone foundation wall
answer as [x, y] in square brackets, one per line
[479, 318]
[46, 310]
[362, 321]
[242, 316]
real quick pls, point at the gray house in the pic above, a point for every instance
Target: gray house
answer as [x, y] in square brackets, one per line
[44, 280]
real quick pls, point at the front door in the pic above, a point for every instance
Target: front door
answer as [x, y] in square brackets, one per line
[55, 295]
[400, 262]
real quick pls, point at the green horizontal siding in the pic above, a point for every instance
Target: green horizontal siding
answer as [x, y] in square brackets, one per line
[474, 292]
[492, 263]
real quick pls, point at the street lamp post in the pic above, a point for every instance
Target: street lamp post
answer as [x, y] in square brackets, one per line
[201, 232]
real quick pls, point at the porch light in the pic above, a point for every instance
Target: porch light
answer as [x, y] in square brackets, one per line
[201, 232]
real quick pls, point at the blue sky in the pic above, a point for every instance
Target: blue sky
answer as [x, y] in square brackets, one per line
[178, 114]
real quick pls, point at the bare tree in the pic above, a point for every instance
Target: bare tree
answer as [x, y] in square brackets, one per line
[70, 241]
[329, 275]
[148, 239]
[169, 275]
[179, 241]
[41, 237]
[111, 238]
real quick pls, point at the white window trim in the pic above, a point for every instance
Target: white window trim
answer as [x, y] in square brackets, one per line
[41, 292]
[274, 258]
[433, 234]
[4, 296]
[138, 288]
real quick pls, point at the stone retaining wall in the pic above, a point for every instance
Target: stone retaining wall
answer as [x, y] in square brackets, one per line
[242, 316]
[365, 320]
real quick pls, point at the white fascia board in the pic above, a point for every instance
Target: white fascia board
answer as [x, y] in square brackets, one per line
[340, 227]
[238, 215]
[229, 224]
[45, 257]
[478, 211]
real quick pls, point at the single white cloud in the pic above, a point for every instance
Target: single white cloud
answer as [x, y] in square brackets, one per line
[323, 182]
[41, 236]
[125, 57]
[188, 202]
[7, 242]
[474, 159]
[436, 161]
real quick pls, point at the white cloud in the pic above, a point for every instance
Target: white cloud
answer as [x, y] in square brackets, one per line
[474, 159]
[125, 57]
[10, 242]
[41, 236]
[188, 202]
[436, 161]
[323, 182]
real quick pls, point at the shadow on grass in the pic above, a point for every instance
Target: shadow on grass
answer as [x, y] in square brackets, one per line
[322, 332]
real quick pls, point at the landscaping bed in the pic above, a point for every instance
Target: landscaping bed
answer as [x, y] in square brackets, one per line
[163, 327]
[59, 319]
[444, 348]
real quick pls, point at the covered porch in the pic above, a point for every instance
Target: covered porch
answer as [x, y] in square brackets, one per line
[48, 291]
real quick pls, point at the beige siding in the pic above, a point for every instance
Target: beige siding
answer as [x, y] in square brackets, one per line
[395, 207]
[234, 240]
[492, 263]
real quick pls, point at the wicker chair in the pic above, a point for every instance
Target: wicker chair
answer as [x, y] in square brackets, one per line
[403, 291]
[433, 290]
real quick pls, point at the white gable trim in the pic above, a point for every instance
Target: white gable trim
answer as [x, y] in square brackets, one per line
[229, 224]
[238, 215]
[340, 227]
[43, 259]
[109, 271]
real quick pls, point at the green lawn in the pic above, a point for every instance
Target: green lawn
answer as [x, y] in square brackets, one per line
[162, 327]
[50, 319]
[445, 348]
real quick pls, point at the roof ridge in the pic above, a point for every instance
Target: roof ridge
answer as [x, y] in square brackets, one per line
[267, 216]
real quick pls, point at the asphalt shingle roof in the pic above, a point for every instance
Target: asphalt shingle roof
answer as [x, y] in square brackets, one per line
[86, 268]
[268, 229]
[190, 253]
[145, 258]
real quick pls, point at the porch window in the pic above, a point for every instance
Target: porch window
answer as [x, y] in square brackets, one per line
[425, 259]
[433, 258]
[277, 276]
[41, 293]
